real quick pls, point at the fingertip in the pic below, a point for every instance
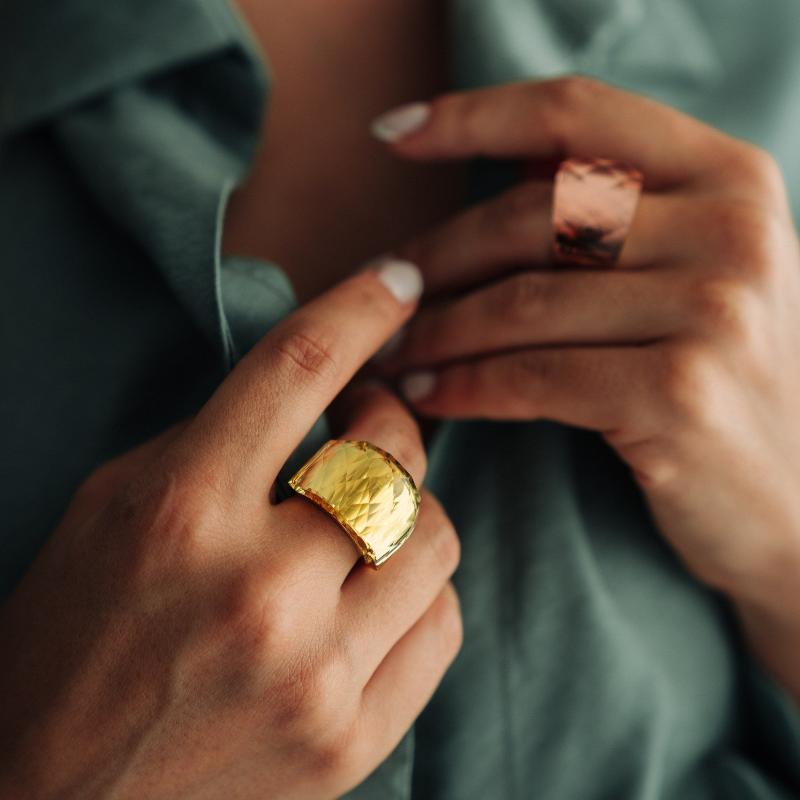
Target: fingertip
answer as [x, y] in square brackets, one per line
[402, 278]
[417, 386]
[399, 123]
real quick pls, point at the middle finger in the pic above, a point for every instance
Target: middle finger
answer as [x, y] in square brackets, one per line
[530, 308]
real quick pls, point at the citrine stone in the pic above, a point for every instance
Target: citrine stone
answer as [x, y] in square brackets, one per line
[366, 490]
[595, 200]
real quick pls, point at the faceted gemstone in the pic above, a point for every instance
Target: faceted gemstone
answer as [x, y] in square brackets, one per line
[593, 207]
[366, 490]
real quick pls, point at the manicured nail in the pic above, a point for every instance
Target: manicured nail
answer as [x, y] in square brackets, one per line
[418, 385]
[391, 345]
[400, 122]
[402, 278]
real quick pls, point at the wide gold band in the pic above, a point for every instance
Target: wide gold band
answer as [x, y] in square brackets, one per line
[366, 490]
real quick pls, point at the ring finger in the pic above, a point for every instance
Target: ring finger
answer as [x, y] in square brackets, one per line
[370, 413]
[514, 229]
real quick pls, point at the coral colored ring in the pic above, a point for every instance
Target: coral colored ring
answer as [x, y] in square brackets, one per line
[594, 202]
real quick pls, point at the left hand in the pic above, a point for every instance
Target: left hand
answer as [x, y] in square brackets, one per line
[686, 357]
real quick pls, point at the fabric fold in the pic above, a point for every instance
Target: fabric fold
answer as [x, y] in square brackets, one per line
[161, 156]
[77, 50]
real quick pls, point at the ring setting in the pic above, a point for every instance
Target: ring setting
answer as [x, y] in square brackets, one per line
[366, 490]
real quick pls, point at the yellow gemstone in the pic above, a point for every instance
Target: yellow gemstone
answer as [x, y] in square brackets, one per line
[366, 490]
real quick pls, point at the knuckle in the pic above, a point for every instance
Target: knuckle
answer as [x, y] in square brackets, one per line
[443, 539]
[656, 473]
[161, 537]
[651, 464]
[335, 757]
[563, 98]
[380, 417]
[167, 514]
[307, 355]
[260, 614]
[727, 308]
[307, 696]
[521, 298]
[459, 118]
[431, 511]
[136, 500]
[468, 119]
[751, 237]
[688, 385]
[449, 622]
[292, 698]
[758, 168]
[408, 450]
[572, 91]
[432, 506]
[448, 548]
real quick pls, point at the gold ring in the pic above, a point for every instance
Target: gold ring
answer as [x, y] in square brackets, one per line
[366, 490]
[594, 202]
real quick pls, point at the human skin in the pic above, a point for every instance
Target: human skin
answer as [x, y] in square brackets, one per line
[685, 357]
[181, 635]
[323, 195]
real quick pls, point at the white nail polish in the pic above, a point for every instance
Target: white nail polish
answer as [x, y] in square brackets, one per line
[400, 122]
[392, 345]
[402, 278]
[418, 385]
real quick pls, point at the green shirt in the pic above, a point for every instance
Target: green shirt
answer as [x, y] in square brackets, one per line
[593, 665]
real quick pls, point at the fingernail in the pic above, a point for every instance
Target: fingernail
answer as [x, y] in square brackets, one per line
[417, 385]
[391, 345]
[402, 278]
[400, 122]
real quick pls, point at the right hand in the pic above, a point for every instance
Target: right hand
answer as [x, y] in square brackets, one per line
[180, 635]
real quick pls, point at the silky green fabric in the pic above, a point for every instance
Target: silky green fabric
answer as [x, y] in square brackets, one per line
[593, 665]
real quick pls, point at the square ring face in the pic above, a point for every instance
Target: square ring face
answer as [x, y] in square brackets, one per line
[594, 202]
[366, 490]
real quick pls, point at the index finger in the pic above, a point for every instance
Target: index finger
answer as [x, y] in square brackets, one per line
[574, 116]
[261, 412]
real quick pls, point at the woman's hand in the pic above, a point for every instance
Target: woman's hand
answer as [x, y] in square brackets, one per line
[686, 357]
[182, 636]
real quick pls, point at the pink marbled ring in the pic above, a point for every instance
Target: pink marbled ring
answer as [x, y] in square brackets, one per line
[594, 201]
